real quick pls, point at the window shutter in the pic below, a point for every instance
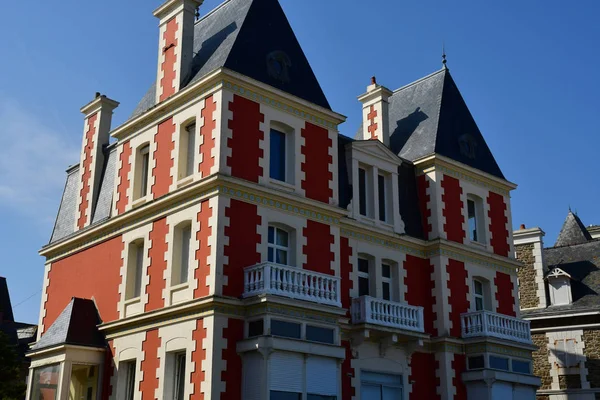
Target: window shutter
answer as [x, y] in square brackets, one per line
[286, 370]
[253, 376]
[561, 355]
[571, 356]
[321, 376]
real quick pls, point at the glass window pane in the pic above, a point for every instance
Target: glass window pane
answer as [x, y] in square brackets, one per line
[271, 235]
[363, 286]
[478, 303]
[476, 362]
[139, 268]
[286, 329]
[363, 265]
[130, 384]
[277, 155]
[191, 149]
[478, 287]
[521, 367]
[186, 237]
[318, 334]
[281, 257]
[320, 397]
[270, 256]
[144, 172]
[386, 290]
[362, 191]
[381, 189]
[386, 270]
[472, 220]
[255, 328]
[371, 392]
[179, 391]
[275, 395]
[499, 363]
[391, 393]
[282, 238]
[45, 382]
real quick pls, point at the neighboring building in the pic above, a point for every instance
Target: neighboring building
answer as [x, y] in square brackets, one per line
[559, 289]
[20, 334]
[236, 246]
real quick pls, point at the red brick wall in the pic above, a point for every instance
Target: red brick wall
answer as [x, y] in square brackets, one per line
[197, 376]
[458, 294]
[245, 138]
[150, 364]
[232, 376]
[504, 294]
[498, 221]
[459, 365]
[348, 390]
[419, 285]
[206, 132]
[316, 165]
[167, 82]
[424, 198]
[123, 185]
[79, 276]
[422, 376]
[453, 209]
[162, 156]
[318, 247]
[346, 271]
[158, 265]
[241, 250]
[203, 236]
[87, 170]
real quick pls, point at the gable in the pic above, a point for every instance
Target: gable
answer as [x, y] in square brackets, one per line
[375, 148]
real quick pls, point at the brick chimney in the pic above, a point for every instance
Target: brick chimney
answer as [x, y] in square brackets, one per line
[96, 128]
[375, 112]
[175, 45]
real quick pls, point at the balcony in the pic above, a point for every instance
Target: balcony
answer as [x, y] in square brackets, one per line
[295, 283]
[369, 310]
[490, 324]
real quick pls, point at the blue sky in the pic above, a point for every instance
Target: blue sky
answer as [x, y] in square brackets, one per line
[525, 68]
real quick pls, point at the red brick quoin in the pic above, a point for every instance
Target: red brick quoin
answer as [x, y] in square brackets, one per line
[458, 294]
[419, 287]
[316, 165]
[504, 294]
[453, 209]
[498, 221]
[245, 139]
[87, 170]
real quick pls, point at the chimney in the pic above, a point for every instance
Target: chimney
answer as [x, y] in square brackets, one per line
[96, 128]
[375, 112]
[175, 45]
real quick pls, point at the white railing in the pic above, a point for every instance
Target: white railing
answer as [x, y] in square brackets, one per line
[487, 323]
[369, 310]
[296, 283]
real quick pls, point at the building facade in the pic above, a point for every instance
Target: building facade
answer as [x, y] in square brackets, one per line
[559, 290]
[230, 243]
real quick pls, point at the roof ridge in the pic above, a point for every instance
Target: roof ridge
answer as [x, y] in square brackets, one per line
[419, 80]
[211, 12]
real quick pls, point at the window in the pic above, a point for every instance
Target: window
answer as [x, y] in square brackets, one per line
[293, 376]
[362, 191]
[363, 277]
[374, 386]
[521, 367]
[278, 250]
[565, 353]
[84, 382]
[179, 377]
[478, 294]
[278, 155]
[45, 382]
[476, 362]
[129, 367]
[143, 167]
[181, 253]
[386, 281]
[318, 334]
[381, 187]
[499, 363]
[286, 329]
[475, 219]
[255, 328]
[187, 151]
[135, 270]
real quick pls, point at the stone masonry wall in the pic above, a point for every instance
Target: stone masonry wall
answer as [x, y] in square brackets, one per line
[541, 366]
[591, 339]
[527, 286]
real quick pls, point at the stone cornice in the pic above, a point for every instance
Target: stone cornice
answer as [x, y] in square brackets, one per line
[436, 162]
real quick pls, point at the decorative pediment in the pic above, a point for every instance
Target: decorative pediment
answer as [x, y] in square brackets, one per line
[375, 150]
[556, 272]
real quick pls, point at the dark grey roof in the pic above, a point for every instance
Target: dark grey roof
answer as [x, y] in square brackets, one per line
[240, 35]
[65, 220]
[76, 325]
[430, 116]
[103, 204]
[6, 312]
[573, 232]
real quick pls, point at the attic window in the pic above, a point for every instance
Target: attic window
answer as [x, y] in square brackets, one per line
[559, 283]
[278, 65]
[468, 145]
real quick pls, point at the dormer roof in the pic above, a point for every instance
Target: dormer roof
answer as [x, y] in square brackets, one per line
[557, 272]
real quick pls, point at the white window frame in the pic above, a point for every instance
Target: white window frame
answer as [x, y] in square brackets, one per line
[275, 246]
[181, 256]
[187, 151]
[369, 189]
[388, 280]
[479, 296]
[129, 376]
[135, 269]
[479, 220]
[366, 275]
[142, 173]
[289, 153]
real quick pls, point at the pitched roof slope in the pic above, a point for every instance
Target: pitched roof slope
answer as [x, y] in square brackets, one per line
[76, 325]
[244, 35]
[6, 312]
[430, 116]
[572, 232]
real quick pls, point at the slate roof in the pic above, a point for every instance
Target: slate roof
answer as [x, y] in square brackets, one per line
[573, 232]
[76, 325]
[241, 35]
[430, 116]
[579, 256]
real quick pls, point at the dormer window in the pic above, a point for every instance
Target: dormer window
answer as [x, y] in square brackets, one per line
[559, 283]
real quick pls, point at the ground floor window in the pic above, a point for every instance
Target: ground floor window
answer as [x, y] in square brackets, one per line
[375, 386]
[45, 382]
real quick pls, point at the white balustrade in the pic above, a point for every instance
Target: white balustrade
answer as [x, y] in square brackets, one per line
[369, 310]
[487, 323]
[295, 283]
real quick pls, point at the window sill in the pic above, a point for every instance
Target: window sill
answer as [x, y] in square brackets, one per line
[134, 300]
[180, 293]
[288, 187]
[185, 181]
[139, 202]
[180, 286]
[478, 244]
